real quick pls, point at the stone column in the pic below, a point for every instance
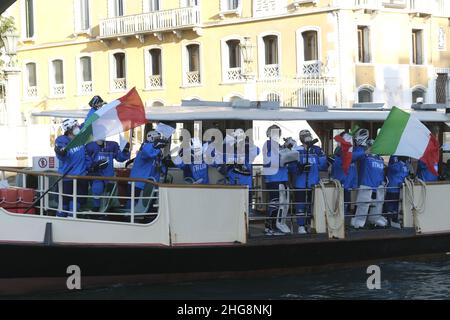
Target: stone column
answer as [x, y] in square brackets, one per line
[12, 98]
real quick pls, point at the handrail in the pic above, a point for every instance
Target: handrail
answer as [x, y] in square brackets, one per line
[144, 13]
[121, 179]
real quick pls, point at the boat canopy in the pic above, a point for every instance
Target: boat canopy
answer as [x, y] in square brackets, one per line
[198, 113]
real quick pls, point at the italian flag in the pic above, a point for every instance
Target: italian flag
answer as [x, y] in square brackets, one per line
[113, 118]
[403, 135]
[346, 142]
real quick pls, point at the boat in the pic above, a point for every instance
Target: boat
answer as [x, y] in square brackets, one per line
[179, 231]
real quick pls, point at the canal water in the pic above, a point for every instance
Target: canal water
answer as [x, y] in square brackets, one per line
[399, 280]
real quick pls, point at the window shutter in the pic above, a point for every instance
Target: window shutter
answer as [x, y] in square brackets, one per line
[366, 38]
[77, 15]
[111, 8]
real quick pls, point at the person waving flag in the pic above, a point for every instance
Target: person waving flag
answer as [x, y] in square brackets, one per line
[118, 116]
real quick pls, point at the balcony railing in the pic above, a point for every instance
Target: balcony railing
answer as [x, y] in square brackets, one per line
[119, 84]
[58, 90]
[292, 92]
[234, 74]
[271, 71]
[427, 7]
[311, 69]
[86, 87]
[150, 22]
[32, 92]
[192, 78]
[154, 81]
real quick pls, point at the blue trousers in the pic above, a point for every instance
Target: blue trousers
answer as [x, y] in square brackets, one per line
[392, 206]
[303, 206]
[82, 189]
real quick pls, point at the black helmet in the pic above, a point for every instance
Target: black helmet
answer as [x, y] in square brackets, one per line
[96, 102]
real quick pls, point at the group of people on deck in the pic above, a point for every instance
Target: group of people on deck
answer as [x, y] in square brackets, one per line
[297, 171]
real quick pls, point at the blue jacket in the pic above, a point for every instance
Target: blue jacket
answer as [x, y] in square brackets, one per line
[110, 151]
[236, 178]
[317, 161]
[349, 181]
[198, 172]
[371, 171]
[424, 174]
[281, 175]
[397, 172]
[147, 164]
[75, 159]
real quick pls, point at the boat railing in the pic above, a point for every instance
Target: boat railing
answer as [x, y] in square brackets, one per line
[261, 205]
[54, 200]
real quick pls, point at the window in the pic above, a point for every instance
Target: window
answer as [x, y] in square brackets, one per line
[29, 18]
[269, 7]
[271, 49]
[417, 47]
[57, 78]
[188, 3]
[193, 64]
[154, 69]
[152, 5]
[229, 5]
[82, 16]
[310, 46]
[363, 44]
[85, 75]
[117, 8]
[271, 68]
[365, 95]
[418, 93]
[157, 104]
[119, 72]
[234, 51]
[273, 97]
[31, 82]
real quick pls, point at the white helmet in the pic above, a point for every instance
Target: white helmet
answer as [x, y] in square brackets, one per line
[153, 135]
[272, 128]
[362, 137]
[239, 135]
[69, 124]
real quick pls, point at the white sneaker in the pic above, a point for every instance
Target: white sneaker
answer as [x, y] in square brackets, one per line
[283, 227]
[396, 225]
[357, 224]
[302, 230]
[381, 222]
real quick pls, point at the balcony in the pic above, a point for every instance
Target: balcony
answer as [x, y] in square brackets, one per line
[31, 92]
[119, 84]
[192, 78]
[311, 69]
[271, 71]
[154, 82]
[58, 90]
[86, 87]
[234, 75]
[151, 22]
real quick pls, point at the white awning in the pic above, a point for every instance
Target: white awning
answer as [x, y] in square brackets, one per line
[181, 113]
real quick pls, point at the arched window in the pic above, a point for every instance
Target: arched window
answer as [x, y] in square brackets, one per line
[192, 76]
[85, 75]
[270, 58]
[119, 81]
[154, 68]
[417, 94]
[31, 80]
[273, 97]
[157, 104]
[310, 46]
[308, 52]
[365, 95]
[232, 61]
[57, 78]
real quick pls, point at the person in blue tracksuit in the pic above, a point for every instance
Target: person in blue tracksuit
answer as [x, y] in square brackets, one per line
[148, 162]
[349, 181]
[195, 170]
[423, 173]
[72, 162]
[399, 169]
[276, 179]
[311, 161]
[95, 104]
[104, 151]
[371, 191]
[241, 172]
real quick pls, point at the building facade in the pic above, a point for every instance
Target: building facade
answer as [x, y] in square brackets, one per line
[333, 52]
